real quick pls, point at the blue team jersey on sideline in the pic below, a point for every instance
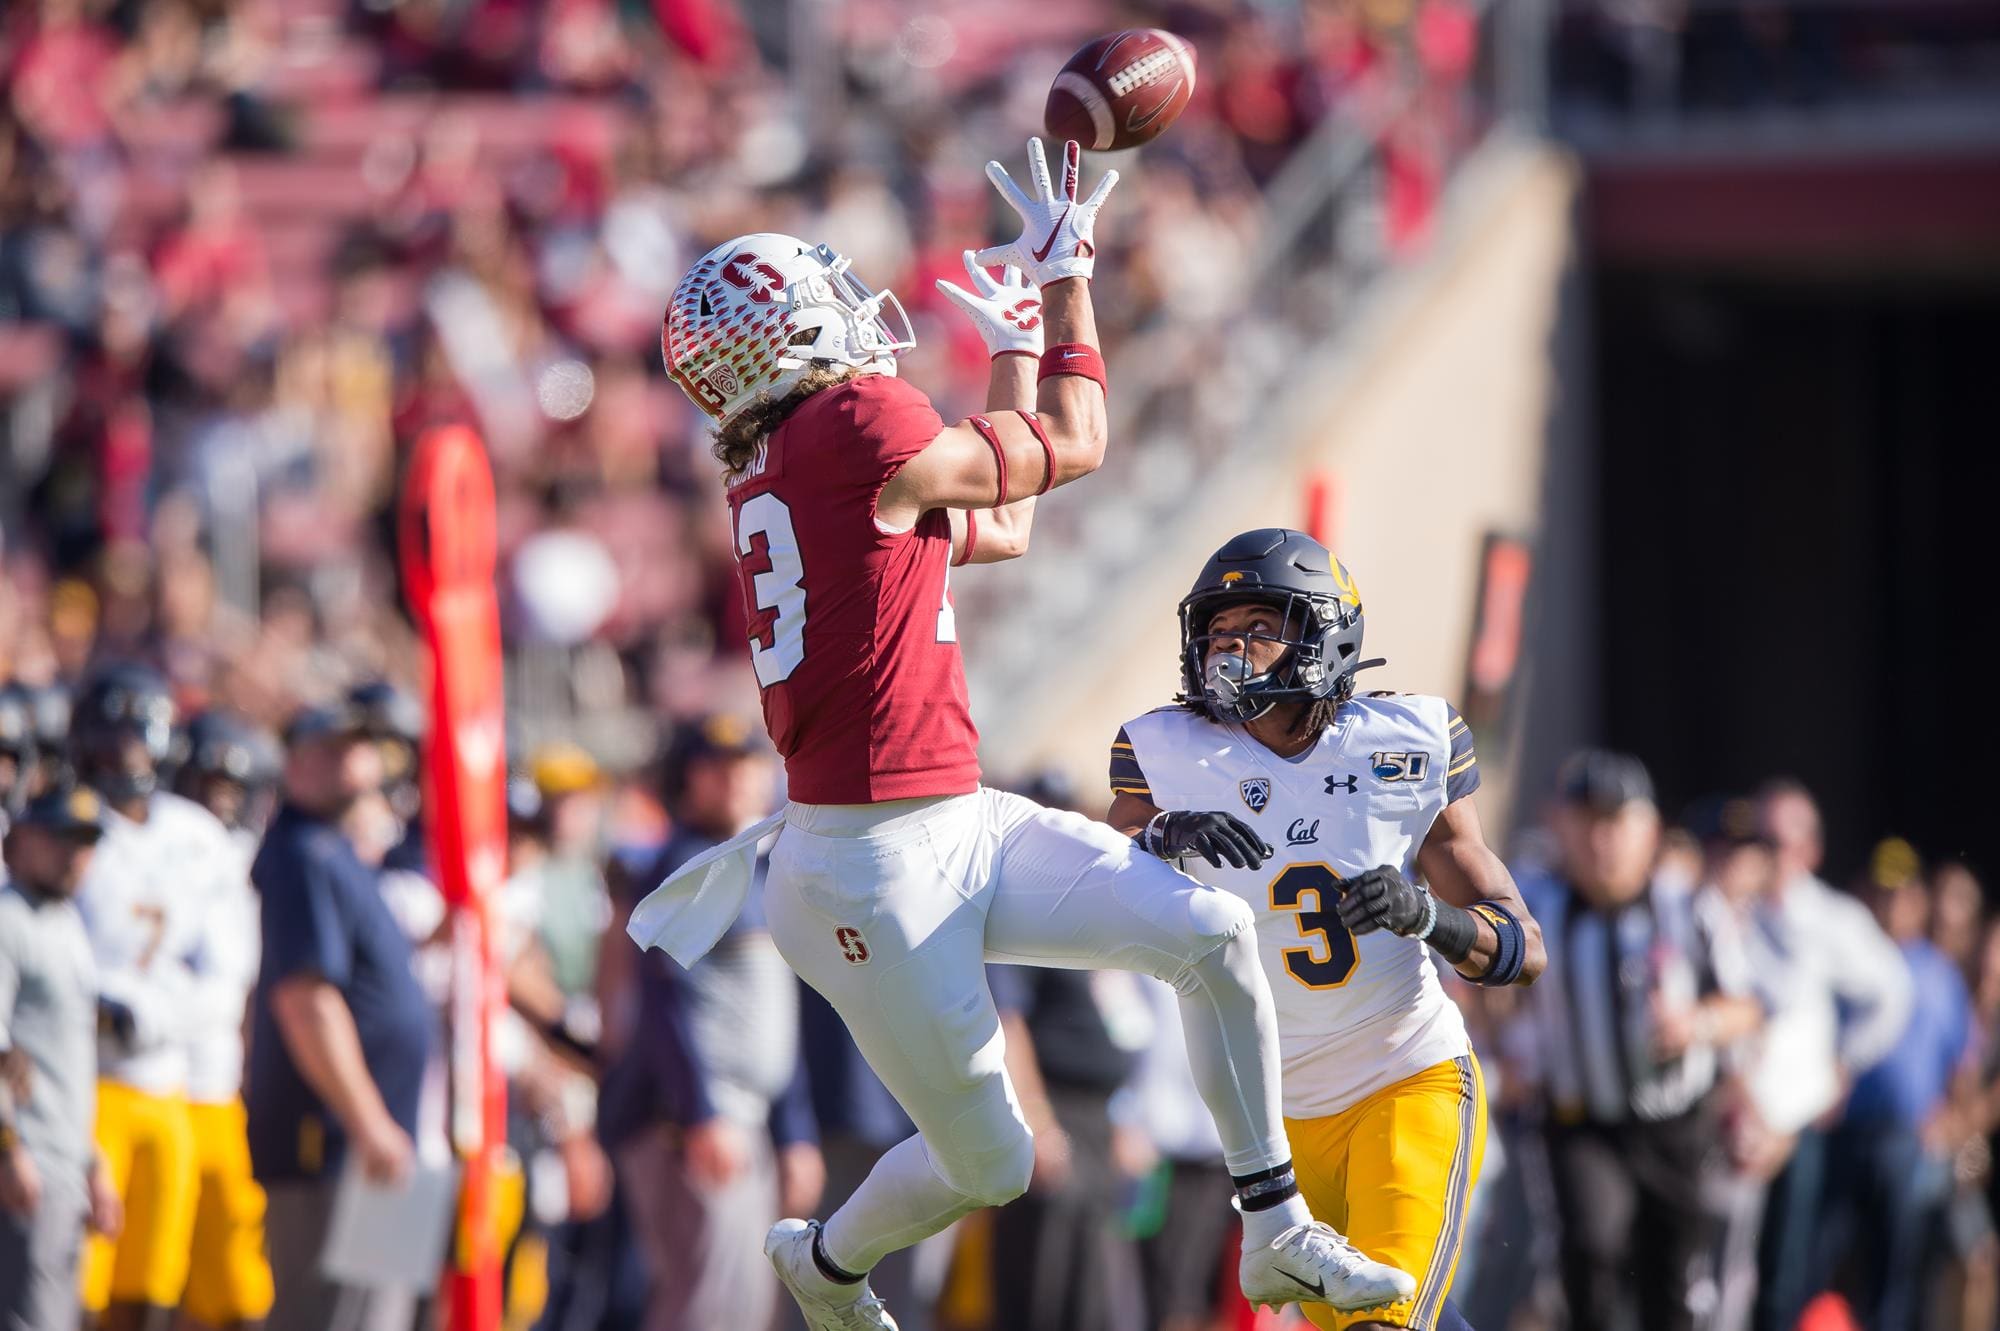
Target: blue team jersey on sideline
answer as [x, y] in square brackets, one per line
[1909, 1085]
[323, 914]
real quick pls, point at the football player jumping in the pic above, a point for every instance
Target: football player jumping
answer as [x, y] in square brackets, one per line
[1383, 863]
[897, 875]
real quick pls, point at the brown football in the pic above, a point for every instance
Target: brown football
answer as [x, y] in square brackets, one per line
[1122, 89]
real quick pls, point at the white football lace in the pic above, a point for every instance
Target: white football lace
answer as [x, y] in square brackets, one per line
[1349, 1255]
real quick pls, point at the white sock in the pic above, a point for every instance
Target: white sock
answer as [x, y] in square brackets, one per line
[1232, 1043]
[1261, 1228]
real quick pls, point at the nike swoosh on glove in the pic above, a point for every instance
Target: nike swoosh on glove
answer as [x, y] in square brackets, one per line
[1381, 898]
[1056, 230]
[1007, 313]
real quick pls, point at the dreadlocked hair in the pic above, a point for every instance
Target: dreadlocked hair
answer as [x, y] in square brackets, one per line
[737, 438]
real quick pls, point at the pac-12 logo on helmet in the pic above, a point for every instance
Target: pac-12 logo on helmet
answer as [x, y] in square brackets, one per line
[753, 315]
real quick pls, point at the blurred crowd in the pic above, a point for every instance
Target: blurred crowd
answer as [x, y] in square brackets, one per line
[1743, 1097]
[251, 249]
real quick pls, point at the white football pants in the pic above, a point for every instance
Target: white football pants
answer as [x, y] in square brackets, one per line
[892, 910]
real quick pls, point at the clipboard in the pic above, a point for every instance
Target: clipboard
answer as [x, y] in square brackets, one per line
[391, 1237]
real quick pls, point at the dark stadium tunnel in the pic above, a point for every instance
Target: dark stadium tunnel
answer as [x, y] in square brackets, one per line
[1796, 474]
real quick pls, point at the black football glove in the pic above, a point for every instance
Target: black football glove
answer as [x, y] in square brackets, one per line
[1216, 837]
[1382, 898]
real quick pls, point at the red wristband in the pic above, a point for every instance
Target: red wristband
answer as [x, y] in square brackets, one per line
[992, 438]
[1048, 452]
[971, 539]
[1073, 358]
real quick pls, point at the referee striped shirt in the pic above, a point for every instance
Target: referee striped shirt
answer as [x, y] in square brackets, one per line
[1594, 1010]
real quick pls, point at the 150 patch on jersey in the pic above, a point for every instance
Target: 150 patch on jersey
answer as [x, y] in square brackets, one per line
[1256, 793]
[1400, 766]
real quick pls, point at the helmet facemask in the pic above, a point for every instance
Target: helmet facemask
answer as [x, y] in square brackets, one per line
[1320, 637]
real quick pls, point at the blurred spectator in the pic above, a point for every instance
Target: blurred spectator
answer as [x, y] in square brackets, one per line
[17, 751]
[1187, 1227]
[694, 1111]
[1839, 995]
[1652, 991]
[52, 1180]
[1059, 1258]
[341, 1031]
[1073, 1040]
[1957, 904]
[1888, 1199]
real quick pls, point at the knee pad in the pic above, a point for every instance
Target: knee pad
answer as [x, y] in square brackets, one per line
[1229, 953]
[989, 1155]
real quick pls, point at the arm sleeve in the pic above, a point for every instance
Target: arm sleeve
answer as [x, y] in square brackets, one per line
[792, 1121]
[303, 926]
[1461, 769]
[1126, 778]
[1871, 981]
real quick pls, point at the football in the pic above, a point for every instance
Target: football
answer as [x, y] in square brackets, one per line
[1122, 89]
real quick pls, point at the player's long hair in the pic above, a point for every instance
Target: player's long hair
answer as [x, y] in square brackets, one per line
[737, 438]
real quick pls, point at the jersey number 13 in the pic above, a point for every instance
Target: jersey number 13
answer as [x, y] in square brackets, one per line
[767, 546]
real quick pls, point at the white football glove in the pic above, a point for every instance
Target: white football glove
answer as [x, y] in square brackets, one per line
[1007, 313]
[1055, 240]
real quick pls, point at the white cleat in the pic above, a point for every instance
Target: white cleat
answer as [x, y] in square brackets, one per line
[1314, 1264]
[827, 1305]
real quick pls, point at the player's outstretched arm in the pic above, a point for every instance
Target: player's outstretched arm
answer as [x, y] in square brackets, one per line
[991, 461]
[1008, 315]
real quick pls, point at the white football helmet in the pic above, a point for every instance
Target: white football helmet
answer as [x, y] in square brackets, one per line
[753, 315]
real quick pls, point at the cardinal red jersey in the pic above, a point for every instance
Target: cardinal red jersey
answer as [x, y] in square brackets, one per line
[851, 628]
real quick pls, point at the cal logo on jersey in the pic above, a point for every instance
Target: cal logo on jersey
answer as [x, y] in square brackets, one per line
[1399, 766]
[1256, 793]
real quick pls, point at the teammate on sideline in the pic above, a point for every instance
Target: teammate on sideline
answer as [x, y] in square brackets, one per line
[161, 868]
[897, 875]
[1269, 745]
[229, 762]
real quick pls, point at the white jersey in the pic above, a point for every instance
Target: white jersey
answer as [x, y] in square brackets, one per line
[147, 904]
[1354, 1014]
[225, 971]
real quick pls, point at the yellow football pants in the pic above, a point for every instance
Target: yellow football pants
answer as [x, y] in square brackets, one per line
[1394, 1174]
[229, 1279]
[148, 1142]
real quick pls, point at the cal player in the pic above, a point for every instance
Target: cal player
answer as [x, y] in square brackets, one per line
[163, 863]
[1382, 864]
[896, 874]
[229, 764]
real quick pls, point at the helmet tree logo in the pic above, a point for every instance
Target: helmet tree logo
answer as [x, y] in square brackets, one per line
[1025, 315]
[755, 276]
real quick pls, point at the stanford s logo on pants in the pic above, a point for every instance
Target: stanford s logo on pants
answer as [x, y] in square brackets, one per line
[852, 945]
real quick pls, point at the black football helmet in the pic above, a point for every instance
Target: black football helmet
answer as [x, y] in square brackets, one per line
[119, 701]
[1296, 575]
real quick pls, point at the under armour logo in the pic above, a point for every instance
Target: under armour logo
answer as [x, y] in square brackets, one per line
[1349, 785]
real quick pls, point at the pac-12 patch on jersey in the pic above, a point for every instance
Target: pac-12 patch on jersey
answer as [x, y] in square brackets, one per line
[1354, 1014]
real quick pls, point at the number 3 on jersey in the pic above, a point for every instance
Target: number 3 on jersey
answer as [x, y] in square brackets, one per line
[767, 546]
[1306, 964]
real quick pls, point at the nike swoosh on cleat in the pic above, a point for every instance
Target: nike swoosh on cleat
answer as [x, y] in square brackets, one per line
[1318, 1286]
[1050, 243]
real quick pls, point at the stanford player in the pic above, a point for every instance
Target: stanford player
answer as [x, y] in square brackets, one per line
[897, 875]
